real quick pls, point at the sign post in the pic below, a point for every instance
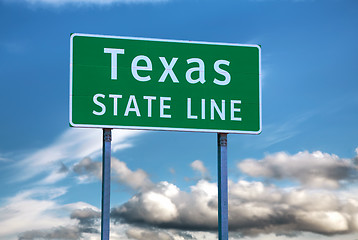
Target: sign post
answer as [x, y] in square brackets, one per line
[157, 84]
[223, 219]
[106, 183]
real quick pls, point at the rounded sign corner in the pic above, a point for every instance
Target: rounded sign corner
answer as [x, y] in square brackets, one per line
[258, 47]
[73, 35]
[71, 123]
[259, 131]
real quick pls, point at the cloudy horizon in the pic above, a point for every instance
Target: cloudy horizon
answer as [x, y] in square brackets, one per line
[165, 211]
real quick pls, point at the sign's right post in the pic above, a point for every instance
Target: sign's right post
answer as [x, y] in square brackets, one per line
[106, 183]
[223, 219]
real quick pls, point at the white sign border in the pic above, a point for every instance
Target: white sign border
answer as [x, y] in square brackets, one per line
[162, 128]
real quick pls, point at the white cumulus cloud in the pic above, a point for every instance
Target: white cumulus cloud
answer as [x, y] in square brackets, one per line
[254, 209]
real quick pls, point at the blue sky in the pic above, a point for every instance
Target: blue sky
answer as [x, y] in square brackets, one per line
[296, 180]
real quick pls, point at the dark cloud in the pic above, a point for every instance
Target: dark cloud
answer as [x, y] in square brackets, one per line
[185, 235]
[88, 218]
[88, 222]
[59, 233]
[144, 234]
[254, 209]
[63, 168]
[88, 169]
[317, 169]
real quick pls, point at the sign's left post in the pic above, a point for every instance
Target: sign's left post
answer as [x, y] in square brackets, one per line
[106, 183]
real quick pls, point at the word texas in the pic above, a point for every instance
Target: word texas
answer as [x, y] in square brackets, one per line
[168, 68]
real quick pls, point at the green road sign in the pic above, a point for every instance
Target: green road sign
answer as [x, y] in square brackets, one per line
[139, 83]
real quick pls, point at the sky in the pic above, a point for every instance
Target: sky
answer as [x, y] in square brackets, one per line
[296, 180]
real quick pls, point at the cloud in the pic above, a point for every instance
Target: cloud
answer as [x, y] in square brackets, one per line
[38, 214]
[317, 169]
[254, 209]
[164, 211]
[68, 233]
[89, 170]
[198, 166]
[58, 3]
[143, 234]
[355, 159]
[138, 179]
[56, 174]
[2, 159]
[73, 145]
[88, 219]
[276, 133]
[165, 206]
[87, 228]
[31, 209]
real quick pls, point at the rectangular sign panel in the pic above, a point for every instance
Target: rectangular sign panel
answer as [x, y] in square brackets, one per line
[138, 83]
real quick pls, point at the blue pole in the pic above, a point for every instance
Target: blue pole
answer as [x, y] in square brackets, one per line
[106, 183]
[222, 187]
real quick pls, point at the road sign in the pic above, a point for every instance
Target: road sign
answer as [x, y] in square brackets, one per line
[155, 84]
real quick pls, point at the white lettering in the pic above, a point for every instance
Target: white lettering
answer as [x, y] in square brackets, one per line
[202, 108]
[132, 109]
[189, 116]
[115, 102]
[95, 101]
[162, 107]
[135, 67]
[215, 106]
[233, 110]
[149, 98]
[200, 69]
[222, 72]
[114, 52]
[168, 69]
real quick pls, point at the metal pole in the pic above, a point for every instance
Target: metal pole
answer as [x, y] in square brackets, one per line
[223, 219]
[106, 183]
